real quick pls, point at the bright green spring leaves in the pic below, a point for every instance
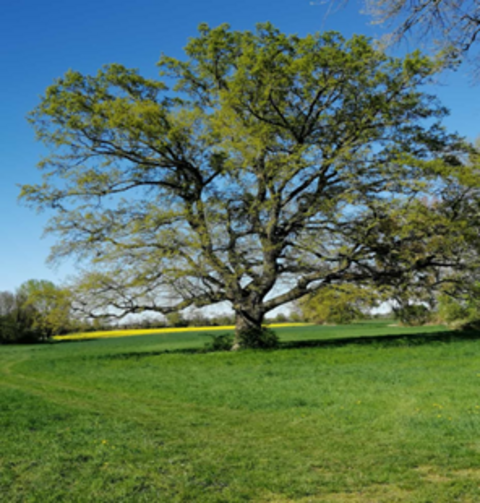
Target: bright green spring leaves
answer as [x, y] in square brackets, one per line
[265, 166]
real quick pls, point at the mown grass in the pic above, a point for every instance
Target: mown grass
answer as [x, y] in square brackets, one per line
[367, 413]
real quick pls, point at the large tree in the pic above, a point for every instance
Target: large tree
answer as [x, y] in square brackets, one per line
[261, 168]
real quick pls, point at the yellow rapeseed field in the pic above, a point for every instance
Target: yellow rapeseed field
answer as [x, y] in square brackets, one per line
[140, 331]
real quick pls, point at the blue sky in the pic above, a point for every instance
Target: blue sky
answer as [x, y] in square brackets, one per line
[39, 41]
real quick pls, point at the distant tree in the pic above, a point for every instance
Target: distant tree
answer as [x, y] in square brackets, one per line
[17, 319]
[296, 316]
[222, 320]
[196, 318]
[281, 318]
[7, 303]
[8, 329]
[413, 314]
[277, 166]
[50, 306]
[176, 319]
[340, 304]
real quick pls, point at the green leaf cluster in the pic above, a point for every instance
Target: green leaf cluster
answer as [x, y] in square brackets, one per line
[262, 168]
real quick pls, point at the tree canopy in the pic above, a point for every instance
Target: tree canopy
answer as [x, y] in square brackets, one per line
[259, 169]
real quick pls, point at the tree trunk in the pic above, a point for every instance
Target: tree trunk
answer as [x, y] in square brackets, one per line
[247, 320]
[249, 330]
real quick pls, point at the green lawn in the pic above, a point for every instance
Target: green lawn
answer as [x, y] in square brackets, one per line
[361, 413]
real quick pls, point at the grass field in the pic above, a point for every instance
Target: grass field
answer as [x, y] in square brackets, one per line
[361, 413]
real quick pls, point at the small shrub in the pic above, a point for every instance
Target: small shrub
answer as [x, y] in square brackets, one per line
[252, 338]
[219, 342]
[468, 326]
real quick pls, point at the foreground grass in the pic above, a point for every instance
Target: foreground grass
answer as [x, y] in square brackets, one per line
[144, 419]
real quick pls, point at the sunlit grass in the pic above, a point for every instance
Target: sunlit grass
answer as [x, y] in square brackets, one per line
[129, 419]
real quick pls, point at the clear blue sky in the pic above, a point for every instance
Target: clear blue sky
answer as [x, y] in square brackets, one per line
[39, 41]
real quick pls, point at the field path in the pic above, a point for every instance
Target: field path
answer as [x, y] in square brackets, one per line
[116, 403]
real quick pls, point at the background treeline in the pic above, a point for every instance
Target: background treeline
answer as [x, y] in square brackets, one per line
[39, 309]
[198, 319]
[34, 312]
[343, 304]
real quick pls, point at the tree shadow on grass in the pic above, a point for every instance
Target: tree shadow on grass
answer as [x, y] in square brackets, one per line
[73, 341]
[394, 340]
[124, 355]
[145, 354]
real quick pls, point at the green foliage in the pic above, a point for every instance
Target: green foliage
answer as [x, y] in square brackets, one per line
[281, 318]
[253, 338]
[468, 326]
[219, 342]
[451, 309]
[176, 320]
[339, 305]
[36, 311]
[222, 320]
[17, 327]
[8, 331]
[272, 160]
[413, 314]
[461, 309]
[17, 320]
[50, 305]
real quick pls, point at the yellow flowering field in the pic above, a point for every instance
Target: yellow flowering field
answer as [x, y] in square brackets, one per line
[140, 331]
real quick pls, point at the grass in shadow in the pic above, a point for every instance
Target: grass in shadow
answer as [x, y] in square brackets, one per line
[132, 355]
[393, 340]
[444, 336]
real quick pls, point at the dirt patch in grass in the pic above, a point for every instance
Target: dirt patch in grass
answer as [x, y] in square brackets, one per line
[469, 473]
[430, 474]
[384, 493]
